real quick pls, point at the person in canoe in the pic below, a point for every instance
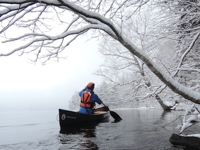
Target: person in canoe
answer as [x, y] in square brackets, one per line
[88, 99]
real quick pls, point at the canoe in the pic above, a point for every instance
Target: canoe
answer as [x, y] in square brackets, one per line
[69, 118]
[185, 141]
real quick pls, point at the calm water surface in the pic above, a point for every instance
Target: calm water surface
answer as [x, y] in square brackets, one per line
[140, 129]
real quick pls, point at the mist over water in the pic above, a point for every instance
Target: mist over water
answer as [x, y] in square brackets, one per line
[39, 130]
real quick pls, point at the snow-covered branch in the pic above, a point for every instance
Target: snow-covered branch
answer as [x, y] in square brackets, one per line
[193, 115]
[82, 18]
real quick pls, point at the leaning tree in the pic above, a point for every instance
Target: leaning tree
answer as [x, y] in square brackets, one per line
[46, 27]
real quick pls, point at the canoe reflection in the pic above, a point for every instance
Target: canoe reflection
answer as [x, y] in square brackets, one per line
[89, 145]
[83, 136]
[87, 129]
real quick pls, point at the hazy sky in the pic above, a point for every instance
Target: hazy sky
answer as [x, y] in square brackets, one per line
[25, 86]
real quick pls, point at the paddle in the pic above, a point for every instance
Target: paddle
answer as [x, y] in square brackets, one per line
[113, 114]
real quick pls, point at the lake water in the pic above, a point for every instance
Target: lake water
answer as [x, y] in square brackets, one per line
[140, 129]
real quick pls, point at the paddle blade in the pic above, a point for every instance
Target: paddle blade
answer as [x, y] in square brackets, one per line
[115, 116]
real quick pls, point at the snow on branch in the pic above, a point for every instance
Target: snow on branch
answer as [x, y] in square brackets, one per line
[88, 14]
[42, 37]
[192, 116]
[52, 45]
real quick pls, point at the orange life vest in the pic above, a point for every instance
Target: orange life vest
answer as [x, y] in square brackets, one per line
[86, 100]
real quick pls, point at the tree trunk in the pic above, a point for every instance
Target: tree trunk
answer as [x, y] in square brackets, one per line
[165, 107]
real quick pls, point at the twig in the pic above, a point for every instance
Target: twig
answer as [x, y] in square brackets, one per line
[172, 121]
[197, 109]
[194, 122]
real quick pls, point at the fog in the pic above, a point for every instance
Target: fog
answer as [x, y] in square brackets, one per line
[28, 86]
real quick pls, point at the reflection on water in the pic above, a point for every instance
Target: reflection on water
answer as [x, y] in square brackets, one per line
[85, 131]
[139, 129]
[83, 140]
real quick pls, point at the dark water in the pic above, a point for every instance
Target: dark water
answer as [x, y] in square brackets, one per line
[140, 129]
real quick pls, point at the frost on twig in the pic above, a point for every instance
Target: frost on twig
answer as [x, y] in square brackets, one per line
[191, 117]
